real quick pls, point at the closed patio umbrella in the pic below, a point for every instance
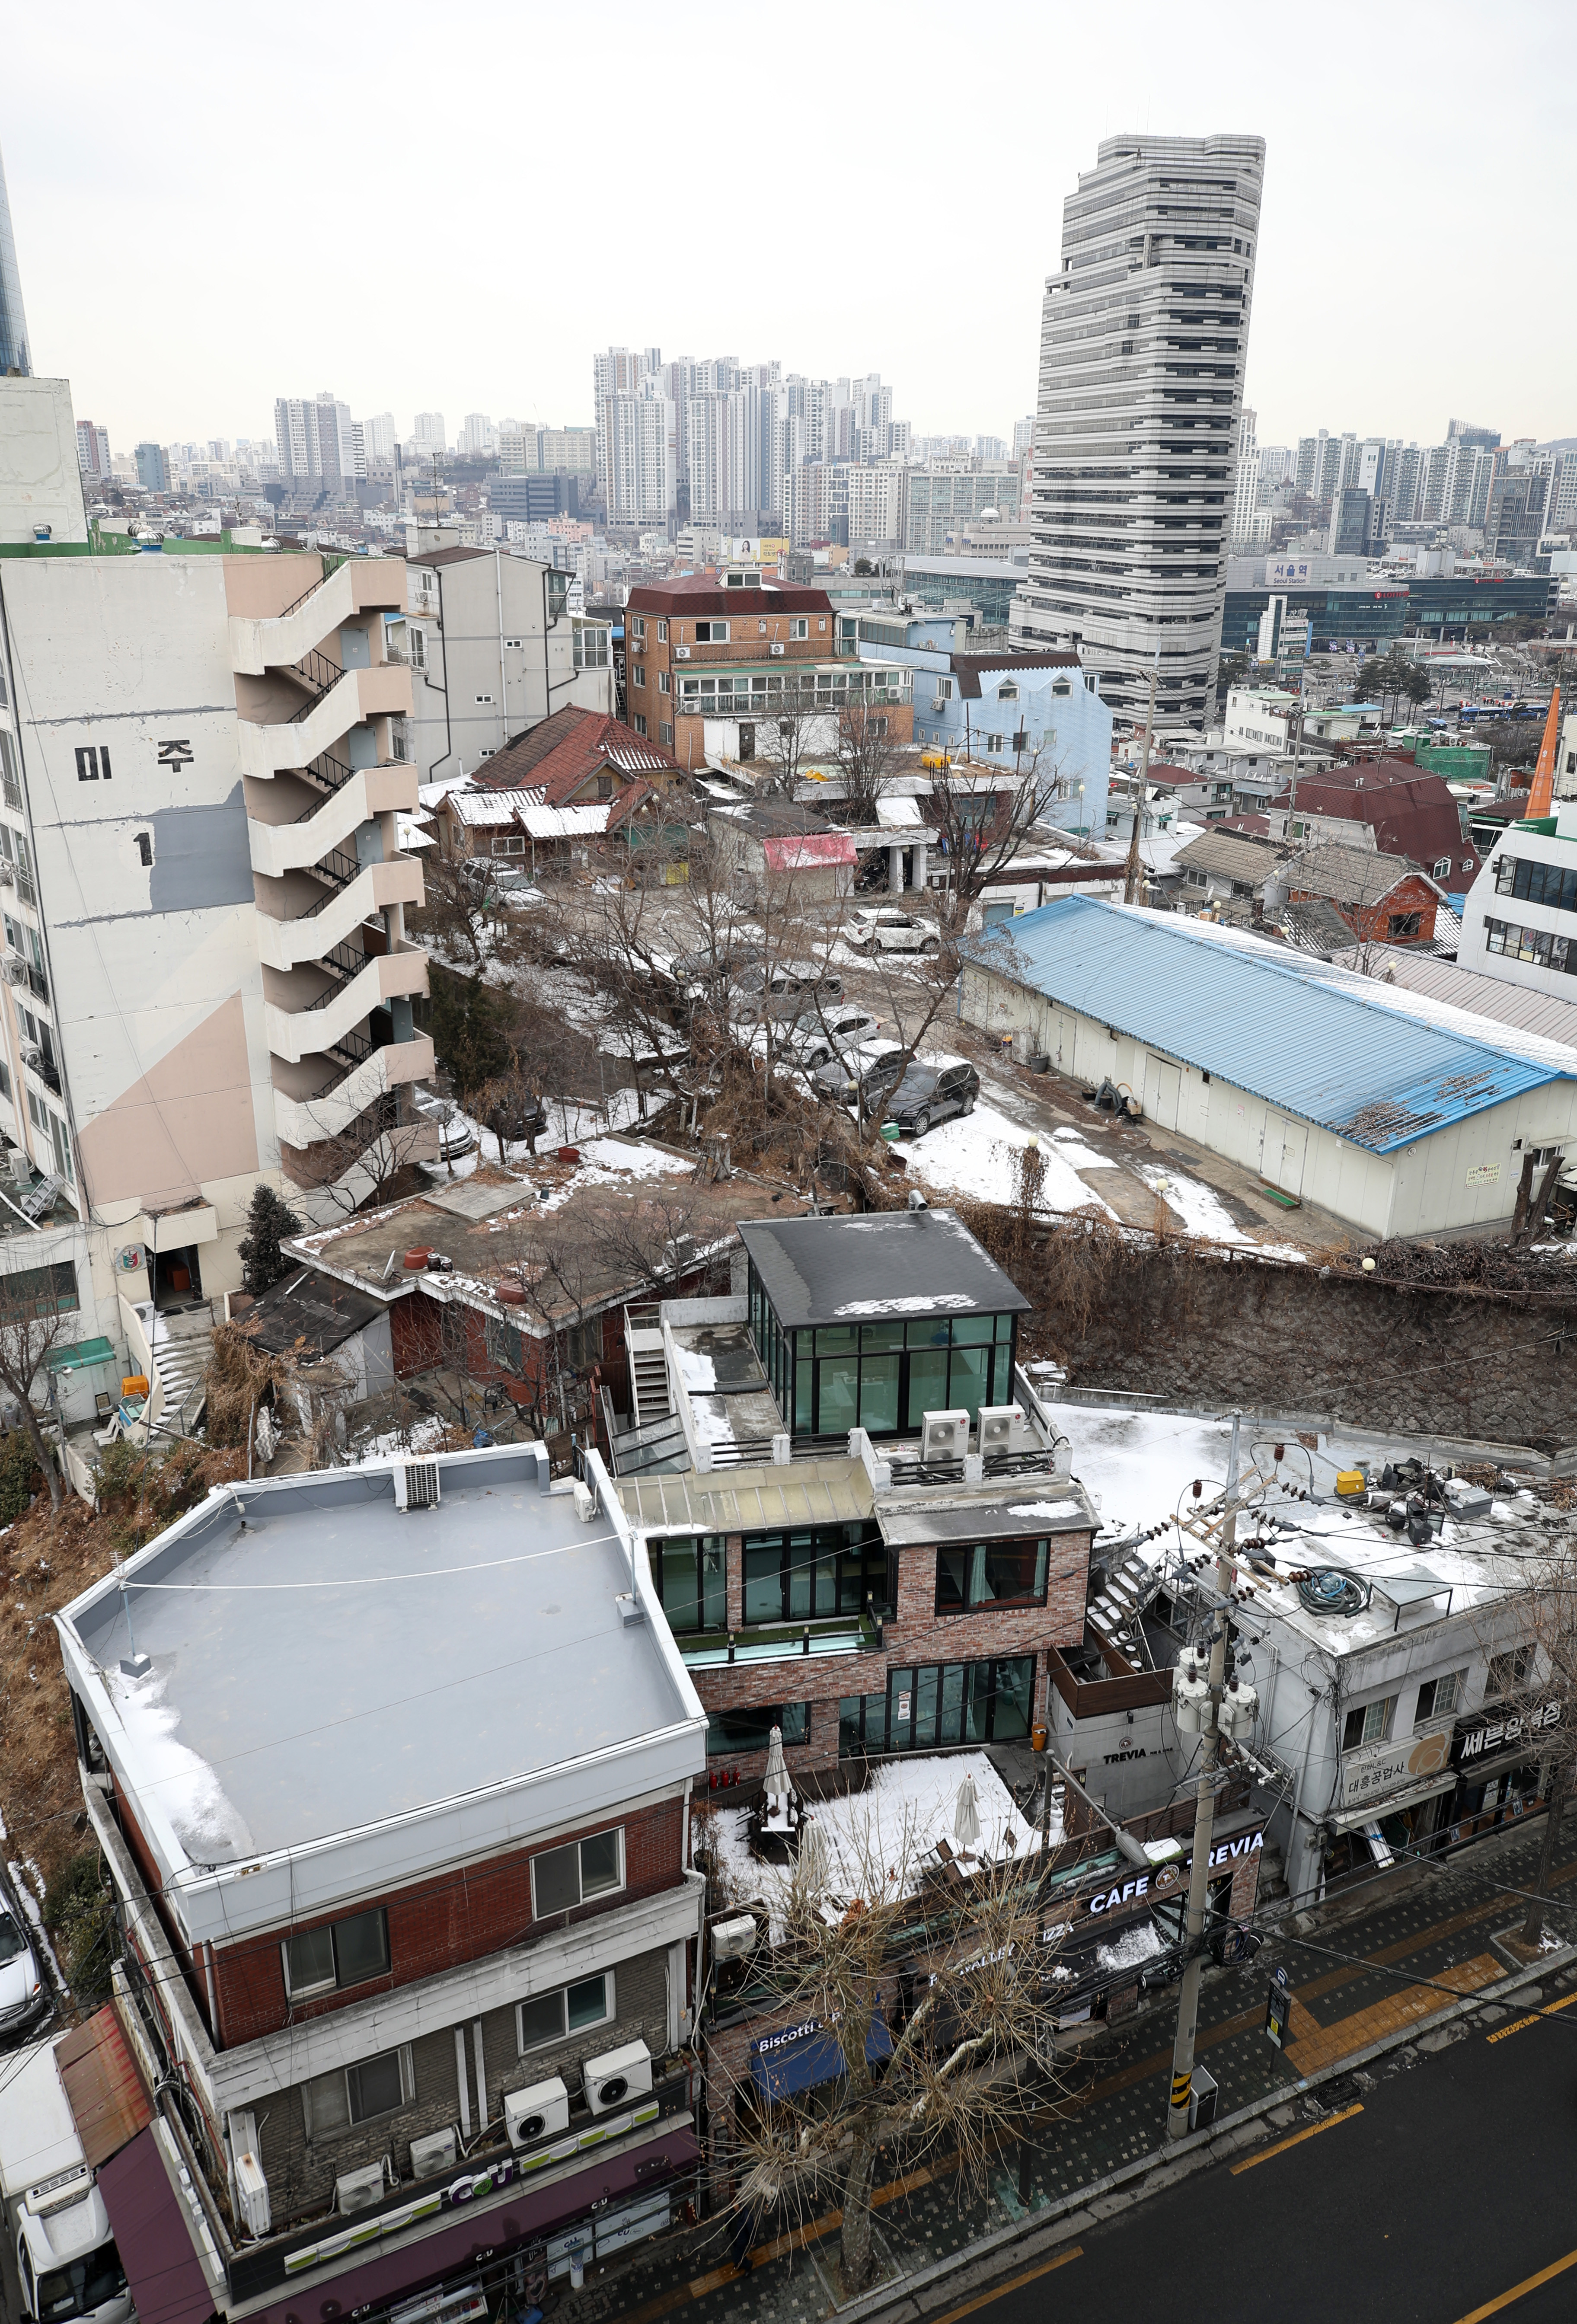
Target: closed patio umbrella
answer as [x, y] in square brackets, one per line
[966, 1818]
[777, 1777]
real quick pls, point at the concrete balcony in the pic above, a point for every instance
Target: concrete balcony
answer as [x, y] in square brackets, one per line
[269, 749]
[303, 1122]
[321, 1019]
[361, 585]
[289, 943]
[295, 846]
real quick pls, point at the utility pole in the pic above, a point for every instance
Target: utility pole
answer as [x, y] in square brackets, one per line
[1131, 873]
[1204, 1819]
[1297, 744]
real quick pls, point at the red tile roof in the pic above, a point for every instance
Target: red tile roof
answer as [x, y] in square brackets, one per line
[556, 757]
[701, 596]
[449, 556]
[1411, 812]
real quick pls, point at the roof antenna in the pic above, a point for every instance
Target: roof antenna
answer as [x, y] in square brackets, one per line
[133, 1665]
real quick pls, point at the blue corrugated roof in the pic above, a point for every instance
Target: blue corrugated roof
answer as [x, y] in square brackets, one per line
[1288, 1028]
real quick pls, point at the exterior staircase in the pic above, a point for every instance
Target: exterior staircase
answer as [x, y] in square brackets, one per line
[648, 1390]
[1114, 1614]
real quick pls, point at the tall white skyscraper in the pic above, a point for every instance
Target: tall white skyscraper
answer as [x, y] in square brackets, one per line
[379, 434]
[1246, 497]
[1144, 331]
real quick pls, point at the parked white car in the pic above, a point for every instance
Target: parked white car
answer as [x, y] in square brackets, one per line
[837, 1032]
[884, 928]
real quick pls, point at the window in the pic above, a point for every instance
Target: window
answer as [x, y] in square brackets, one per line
[359, 2093]
[509, 843]
[1437, 1697]
[944, 689]
[883, 1377]
[1508, 1672]
[665, 684]
[418, 641]
[691, 1582]
[1006, 691]
[638, 626]
[1370, 1723]
[93, 765]
[549, 2017]
[993, 743]
[1401, 925]
[711, 633]
[661, 633]
[568, 1877]
[638, 673]
[591, 646]
[638, 722]
[1536, 945]
[941, 1702]
[811, 1573]
[665, 734]
[752, 1730]
[992, 1573]
[6, 1084]
[8, 775]
[799, 627]
[1442, 868]
[47, 1290]
[345, 1952]
[484, 697]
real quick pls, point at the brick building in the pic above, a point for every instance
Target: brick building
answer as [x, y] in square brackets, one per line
[709, 661]
[353, 1946]
[1381, 899]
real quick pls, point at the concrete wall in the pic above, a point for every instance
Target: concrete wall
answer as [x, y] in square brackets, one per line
[1464, 1176]
[41, 483]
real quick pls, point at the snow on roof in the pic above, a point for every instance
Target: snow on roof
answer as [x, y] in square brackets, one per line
[563, 821]
[898, 813]
[490, 807]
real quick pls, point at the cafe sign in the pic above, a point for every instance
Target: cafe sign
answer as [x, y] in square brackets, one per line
[1374, 1770]
[1487, 1734]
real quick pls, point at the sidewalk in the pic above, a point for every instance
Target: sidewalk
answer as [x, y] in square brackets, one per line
[1443, 1929]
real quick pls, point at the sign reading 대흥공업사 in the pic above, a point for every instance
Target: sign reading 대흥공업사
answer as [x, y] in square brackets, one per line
[1374, 1770]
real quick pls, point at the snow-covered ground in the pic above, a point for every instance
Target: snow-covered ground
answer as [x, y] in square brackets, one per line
[1203, 1212]
[884, 1833]
[1135, 1463]
[975, 1156]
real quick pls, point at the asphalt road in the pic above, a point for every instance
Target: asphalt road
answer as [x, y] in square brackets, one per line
[1449, 2189]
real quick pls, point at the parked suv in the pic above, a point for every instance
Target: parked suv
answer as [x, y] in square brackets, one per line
[862, 1077]
[929, 1094]
[827, 1035]
[884, 928]
[792, 990]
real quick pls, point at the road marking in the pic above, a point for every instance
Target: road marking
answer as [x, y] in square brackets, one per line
[1400, 2011]
[1528, 2283]
[1297, 2139]
[1532, 2018]
[1012, 2284]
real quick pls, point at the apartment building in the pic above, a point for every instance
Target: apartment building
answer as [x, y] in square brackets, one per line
[734, 651]
[207, 979]
[866, 1533]
[417, 2001]
[1519, 922]
[494, 651]
[1144, 337]
[946, 499]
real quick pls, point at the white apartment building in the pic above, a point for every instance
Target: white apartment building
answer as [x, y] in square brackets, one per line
[1144, 335]
[494, 649]
[1246, 497]
[208, 980]
[1520, 921]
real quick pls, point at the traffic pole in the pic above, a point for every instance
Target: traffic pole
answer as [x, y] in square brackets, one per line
[1204, 1823]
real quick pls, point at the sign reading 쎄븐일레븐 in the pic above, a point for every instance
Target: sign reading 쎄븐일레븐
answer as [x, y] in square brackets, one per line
[1373, 1770]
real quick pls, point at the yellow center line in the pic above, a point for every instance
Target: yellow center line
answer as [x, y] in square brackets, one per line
[1531, 2019]
[1297, 2139]
[1012, 2284]
[1528, 2283]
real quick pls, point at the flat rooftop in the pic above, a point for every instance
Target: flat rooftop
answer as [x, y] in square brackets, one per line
[883, 1263]
[332, 1664]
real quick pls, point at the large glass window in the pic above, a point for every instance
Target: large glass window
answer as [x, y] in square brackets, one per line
[814, 1572]
[750, 1729]
[691, 1582]
[942, 1702]
[565, 1877]
[992, 1573]
[883, 1377]
[1552, 885]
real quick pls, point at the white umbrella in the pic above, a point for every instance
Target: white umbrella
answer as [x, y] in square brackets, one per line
[966, 1818]
[777, 1780]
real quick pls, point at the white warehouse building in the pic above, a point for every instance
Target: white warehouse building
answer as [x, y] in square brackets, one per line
[1398, 1114]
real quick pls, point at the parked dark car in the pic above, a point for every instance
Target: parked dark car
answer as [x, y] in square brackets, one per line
[864, 1079]
[928, 1094]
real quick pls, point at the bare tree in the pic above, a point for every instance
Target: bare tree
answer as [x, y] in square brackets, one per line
[33, 1324]
[869, 757]
[939, 2068]
[982, 818]
[793, 734]
[450, 918]
[359, 1165]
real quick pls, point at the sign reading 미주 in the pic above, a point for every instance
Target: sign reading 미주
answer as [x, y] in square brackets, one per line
[1374, 1770]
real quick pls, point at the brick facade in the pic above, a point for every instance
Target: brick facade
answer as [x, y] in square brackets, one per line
[464, 1916]
[1371, 923]
[301, 2171]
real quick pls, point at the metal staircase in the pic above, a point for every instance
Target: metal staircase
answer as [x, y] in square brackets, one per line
[1115, 1612]
[649, 1391]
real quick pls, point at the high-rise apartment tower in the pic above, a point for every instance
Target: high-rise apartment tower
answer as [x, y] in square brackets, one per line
[13, 354]
[1144, 331]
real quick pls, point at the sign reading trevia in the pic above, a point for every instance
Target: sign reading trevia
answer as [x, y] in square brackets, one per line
[1136, 1889]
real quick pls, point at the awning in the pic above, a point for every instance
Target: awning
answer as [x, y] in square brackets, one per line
[1376, 1811]
[816, 2057]
[80, 1353]
[104, 2090]
[153, 2237]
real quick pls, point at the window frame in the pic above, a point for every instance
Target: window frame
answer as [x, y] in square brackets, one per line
[977, 1556]
[793, 1718]
[316, 2132]
[605, 1978]
[1505, 1672]
[1385, 1705]
[1426, 1716]
[565, 1847]
[336, 1983]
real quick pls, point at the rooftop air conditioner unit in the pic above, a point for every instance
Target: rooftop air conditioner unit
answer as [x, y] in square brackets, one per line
[944, 1437]
[780, 650]
[541, 2112]
[996, 1425]
[613, 2080]
[430, 2157]
[357, 2189]
[416, 1484]
[681, 653]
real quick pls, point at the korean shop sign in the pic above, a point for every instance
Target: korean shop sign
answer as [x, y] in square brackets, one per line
[1374, 1770]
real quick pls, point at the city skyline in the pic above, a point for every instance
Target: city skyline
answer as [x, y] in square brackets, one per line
[141, 363]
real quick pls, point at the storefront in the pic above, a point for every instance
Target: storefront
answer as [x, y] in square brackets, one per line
[1389, 1800]
[1498, 1760]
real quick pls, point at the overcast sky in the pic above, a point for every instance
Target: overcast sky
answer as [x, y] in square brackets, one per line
[450, 208]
